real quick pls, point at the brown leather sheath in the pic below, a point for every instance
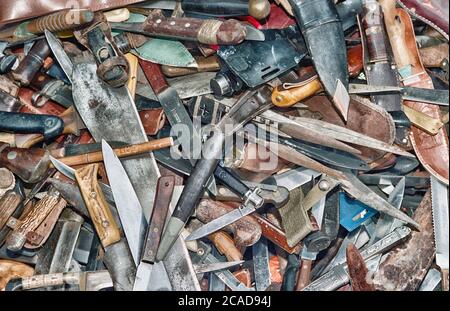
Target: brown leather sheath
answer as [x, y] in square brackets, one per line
[432, 151]
[363, 117]
[432, 12]
[17, 10]
[153, 120]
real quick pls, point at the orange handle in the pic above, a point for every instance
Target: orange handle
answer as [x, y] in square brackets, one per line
[289, 97]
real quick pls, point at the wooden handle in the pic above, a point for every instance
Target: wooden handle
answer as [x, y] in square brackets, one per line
[8, 204]
[12, 269]
[128, 151]
[31, 220]
[444, 282]
[132, 75]
[29, 164]
[396, 32]
[304, 275]
[289, 97]
[205, 64]
[99, 210]
[225, 245]
[154, 75]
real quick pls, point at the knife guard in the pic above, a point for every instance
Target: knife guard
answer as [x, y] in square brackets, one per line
[225, 245]
[32, 63]
[29, 164]
[205, 64]
[29, 221]
[210, 31]
[12, 269]
[99, 210]
[164, 192]
[246, 231]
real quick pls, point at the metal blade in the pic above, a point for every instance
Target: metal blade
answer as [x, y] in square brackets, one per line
[341, 100]
[70, 173]
[253, 34]
[261, 265]
[220, 222]
[158, 4]
[130, 210]
[439, 197]
[61, 56]
[212, 267]
[431, 96]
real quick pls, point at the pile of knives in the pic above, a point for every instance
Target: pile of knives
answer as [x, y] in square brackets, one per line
[234, 145]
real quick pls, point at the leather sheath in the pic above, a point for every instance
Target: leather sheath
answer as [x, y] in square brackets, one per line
[153, 120]
[432, 151]
[18, 10]
[432, 12]
[363, 117]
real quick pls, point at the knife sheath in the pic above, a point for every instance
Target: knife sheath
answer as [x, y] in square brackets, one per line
[163, 197]
[378, 62]
[31, 64]
[431, 150]
[99, 210]
[210, 31]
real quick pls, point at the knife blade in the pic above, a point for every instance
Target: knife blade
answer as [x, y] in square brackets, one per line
[439, 197]
[261, 265]
[128, 206]
[431, 96]
[58, 51]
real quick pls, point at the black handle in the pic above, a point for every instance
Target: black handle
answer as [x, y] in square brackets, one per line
[25, 123]
[229, 179]
[217, 8]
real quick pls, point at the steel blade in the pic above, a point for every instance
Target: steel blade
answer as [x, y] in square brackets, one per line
[130, 210]
[261, 266]
[439, 197]
[61, 56]
[212, 267]
[157, 4]
[220, 222]
[431, 96]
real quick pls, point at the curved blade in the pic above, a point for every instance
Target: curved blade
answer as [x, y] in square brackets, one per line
[128, 206]
[61, 56]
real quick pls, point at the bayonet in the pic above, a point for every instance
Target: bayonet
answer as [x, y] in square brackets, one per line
[338, 276]
[439, 197]
[127, 203]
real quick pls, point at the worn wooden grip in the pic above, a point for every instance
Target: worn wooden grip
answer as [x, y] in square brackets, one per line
[289, 97]
[304, 275]
[12, 269]
[132, 150]
[205, 64]
[99, 210]
[396, 31]
[225, 245]
[29, 164]
[154, 75]
[246, 231]
[29, 221]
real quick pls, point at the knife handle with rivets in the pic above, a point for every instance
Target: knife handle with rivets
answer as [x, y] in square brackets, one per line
[163, 196]
[30, 221]
[99, 210]
[209, 31]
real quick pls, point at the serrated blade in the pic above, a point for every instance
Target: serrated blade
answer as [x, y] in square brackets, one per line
[439, 197]
[128, 206]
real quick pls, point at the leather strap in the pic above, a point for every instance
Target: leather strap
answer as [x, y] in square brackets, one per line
[18, 10]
